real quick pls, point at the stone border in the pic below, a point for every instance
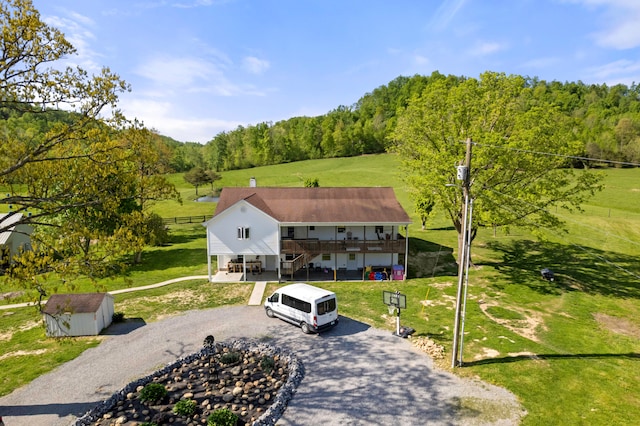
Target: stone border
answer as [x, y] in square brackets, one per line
[270, 416]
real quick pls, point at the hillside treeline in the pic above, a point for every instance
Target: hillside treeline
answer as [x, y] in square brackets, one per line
[609, 128]
[609, 117]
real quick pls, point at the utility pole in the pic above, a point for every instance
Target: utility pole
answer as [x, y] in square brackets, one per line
[463, 174]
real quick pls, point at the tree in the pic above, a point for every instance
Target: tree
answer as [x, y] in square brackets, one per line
[197, 177]
[512, 180]
[212, 176]
[65, 162]
[424, 204]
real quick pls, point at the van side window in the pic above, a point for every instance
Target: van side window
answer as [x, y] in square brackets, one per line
[326, 306]
[296, 303]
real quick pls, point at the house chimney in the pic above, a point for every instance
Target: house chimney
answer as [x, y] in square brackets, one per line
[252, 182]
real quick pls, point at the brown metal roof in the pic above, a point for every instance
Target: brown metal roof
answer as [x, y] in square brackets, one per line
[320, 205]
[80, 303]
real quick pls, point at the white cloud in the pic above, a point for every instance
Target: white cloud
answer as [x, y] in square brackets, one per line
[255, 65]
[178, 71]
[445, 13]
[420, 60]
[163, 117]
[623, 71]
[77, 30]
[486, 48]
[619, 21]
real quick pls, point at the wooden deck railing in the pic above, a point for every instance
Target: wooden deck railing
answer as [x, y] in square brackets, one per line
[342, 246]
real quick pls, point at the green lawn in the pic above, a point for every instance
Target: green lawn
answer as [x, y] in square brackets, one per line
[569, 349]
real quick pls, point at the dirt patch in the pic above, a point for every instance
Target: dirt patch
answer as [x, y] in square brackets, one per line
[618, 325]
[487, 353]
[22, 353]
[7, 335]
[11, 295]
[526, 327]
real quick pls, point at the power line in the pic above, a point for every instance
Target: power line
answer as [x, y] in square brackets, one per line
[551, 154]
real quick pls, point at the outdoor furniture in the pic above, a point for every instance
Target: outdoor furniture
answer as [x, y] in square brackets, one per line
[254, 266]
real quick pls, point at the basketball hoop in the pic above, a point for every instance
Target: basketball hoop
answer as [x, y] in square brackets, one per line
[392, 309]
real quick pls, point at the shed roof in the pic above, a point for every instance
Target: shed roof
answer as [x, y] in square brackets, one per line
[79, 303]
[8, 223]
[320, 205]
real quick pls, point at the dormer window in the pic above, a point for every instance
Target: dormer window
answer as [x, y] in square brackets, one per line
[243, 233]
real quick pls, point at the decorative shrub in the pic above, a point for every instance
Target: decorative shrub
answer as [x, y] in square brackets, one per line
[153, 392]
[267, 364]
[117, 317]
[185, 407]
[230, 358]
[222, 417]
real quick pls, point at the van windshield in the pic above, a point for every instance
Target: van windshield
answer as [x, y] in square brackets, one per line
[326, 306]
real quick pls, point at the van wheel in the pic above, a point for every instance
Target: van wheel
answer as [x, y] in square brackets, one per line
[305, 328]
[269, 313]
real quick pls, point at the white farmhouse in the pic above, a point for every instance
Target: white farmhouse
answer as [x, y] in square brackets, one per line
[338, 233]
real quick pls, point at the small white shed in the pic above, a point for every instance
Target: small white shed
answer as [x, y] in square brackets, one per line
[14, 237]
[82, 314]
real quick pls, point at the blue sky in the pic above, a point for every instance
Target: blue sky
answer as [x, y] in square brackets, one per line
[199, 67]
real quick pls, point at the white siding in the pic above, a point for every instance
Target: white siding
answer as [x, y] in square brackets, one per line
[81, 324]
[222, 232]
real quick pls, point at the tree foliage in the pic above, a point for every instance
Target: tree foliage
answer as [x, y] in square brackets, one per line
[69, 161]
[512, 180]
[197, 177]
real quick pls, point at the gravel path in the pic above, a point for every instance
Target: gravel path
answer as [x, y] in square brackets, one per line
[354, 374]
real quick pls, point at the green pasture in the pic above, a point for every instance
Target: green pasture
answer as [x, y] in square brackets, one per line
[569, 349]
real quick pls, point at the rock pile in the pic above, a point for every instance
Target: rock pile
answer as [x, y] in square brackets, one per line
[246, 387]
[428, 346]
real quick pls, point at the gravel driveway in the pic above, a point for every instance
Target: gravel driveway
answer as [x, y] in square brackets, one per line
[354, 374]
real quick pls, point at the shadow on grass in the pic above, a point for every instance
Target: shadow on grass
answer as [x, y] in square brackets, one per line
[576, 268]
[517, 358]
[165, 259]
[429, 259]
[185, 236]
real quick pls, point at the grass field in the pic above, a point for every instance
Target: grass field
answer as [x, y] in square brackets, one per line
[569, 349]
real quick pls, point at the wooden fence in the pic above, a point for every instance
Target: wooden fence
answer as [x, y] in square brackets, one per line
[185, 220]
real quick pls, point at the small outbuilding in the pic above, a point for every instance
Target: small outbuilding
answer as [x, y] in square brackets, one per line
[14, 237]
[82, 314]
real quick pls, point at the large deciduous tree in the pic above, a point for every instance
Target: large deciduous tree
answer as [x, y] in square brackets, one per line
[521, 143]
[66, 162]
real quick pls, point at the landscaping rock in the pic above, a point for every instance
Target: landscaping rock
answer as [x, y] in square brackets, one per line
[247, 391]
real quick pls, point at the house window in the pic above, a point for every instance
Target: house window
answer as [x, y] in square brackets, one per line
[290, 232]
[352, 256]
[326, 256]
[379, 229]
[312, 228]
[243, 233]
[341, 229]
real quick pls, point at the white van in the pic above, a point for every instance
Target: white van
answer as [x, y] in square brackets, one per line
[312, 308]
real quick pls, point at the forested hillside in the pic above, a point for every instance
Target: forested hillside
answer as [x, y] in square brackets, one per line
[608, 125]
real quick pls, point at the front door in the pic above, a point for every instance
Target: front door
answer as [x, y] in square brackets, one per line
[352, 261]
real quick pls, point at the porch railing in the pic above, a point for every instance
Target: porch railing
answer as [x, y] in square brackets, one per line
[342, 246]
